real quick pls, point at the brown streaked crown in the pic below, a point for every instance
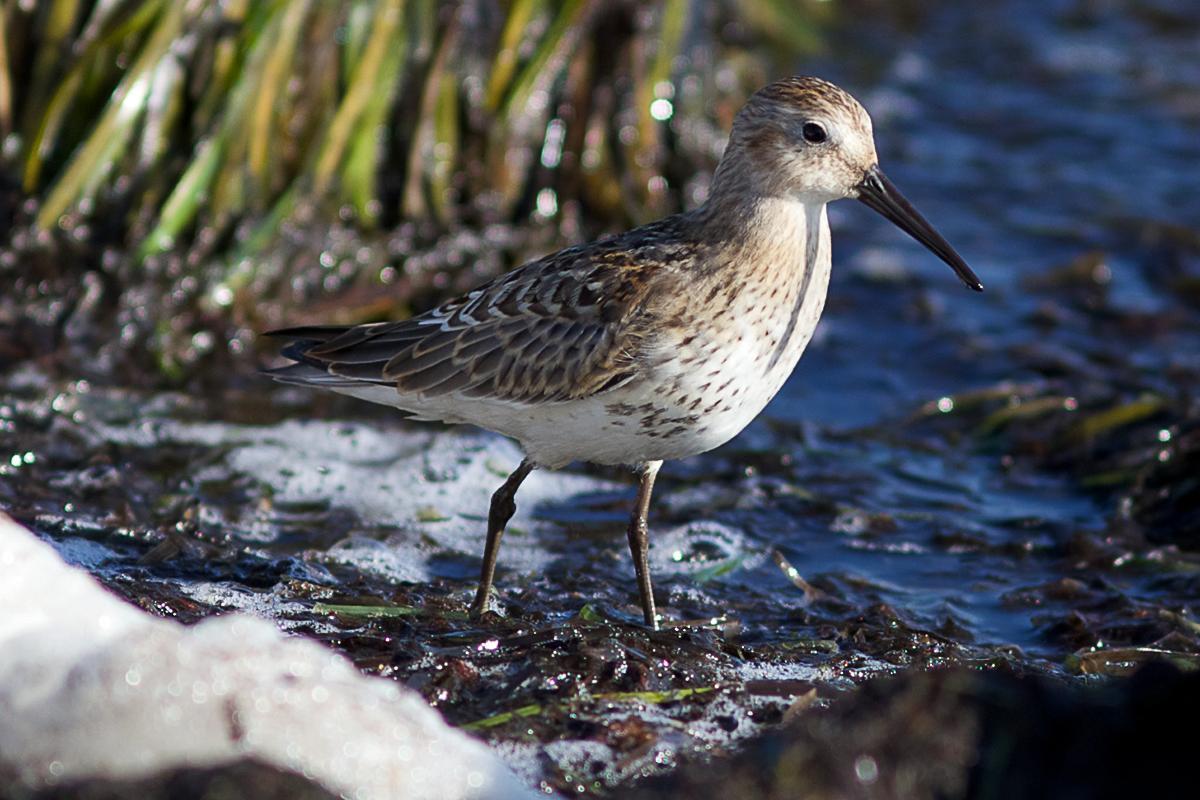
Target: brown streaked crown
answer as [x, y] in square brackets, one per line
[807, 93]
[768, 154]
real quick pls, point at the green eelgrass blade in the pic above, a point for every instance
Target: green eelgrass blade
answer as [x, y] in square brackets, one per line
[383, 611]
[263, 117]
[113, 134]
[547, 60]
[422, 150]
[185, 199]
[59, 19]
[67, 94]
[505, 64]
[215, 174]
[367, 78]
[360, 171]
[534, 709]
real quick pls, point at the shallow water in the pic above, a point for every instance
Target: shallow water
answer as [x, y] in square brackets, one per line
[956, 477]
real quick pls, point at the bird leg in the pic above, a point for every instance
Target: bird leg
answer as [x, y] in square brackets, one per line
[503, 506]
[639, 540]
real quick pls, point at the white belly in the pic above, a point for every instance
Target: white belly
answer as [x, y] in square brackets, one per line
[684, 408]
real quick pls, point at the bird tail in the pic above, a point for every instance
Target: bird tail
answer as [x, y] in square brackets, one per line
[307, 371]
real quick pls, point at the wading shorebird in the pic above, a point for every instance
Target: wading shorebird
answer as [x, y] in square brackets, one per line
[658, 343]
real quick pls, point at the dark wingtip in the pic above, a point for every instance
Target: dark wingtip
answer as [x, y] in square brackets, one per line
[318, 333]
[298, 350]
[303, 368]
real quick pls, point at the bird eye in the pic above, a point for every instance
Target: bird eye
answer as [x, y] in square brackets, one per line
[814, 133]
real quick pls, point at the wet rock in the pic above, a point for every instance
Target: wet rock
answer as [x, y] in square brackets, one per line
[1166, 498]
[964, 734]
[242, 779]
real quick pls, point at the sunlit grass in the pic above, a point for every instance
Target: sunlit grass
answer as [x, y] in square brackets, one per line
[191, 116]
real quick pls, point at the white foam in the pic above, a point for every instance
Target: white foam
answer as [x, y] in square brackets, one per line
[588, 760]
[269, 605]
[434, 486]
[840, 674]
[703, 546]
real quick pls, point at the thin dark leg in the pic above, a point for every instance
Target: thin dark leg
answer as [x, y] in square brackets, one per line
[504, 505]
[639, 541]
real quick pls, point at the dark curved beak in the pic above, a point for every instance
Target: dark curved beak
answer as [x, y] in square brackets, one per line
[882, 195]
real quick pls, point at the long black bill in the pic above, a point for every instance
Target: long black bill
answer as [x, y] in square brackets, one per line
[882, 195]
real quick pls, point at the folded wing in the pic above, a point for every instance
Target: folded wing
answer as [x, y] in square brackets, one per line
[542, 333]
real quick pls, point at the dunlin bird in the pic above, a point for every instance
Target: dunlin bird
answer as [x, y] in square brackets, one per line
[661, 342]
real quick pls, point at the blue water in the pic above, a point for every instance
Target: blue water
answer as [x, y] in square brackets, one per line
[1030, 134]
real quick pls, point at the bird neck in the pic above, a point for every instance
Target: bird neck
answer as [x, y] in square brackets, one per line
[776, 233]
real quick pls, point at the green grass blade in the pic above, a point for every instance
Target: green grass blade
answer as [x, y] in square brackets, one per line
[66, 96]
[364, 81]
[535, 709]
[361, 170]
[445, 146]
[1118, 416]
[421, 151]
[237, 28]
[359, 21]
[505, 64]
[163, 106]
[272, 86]
[235, 189]
[547, 60]
[59, 19]
[504, 717]
[185, 199]
[719, 569]
[517, 124]
[215, 177]
[383, 611]
[96, 156]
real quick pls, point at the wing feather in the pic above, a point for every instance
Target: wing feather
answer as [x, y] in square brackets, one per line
[569, 326]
